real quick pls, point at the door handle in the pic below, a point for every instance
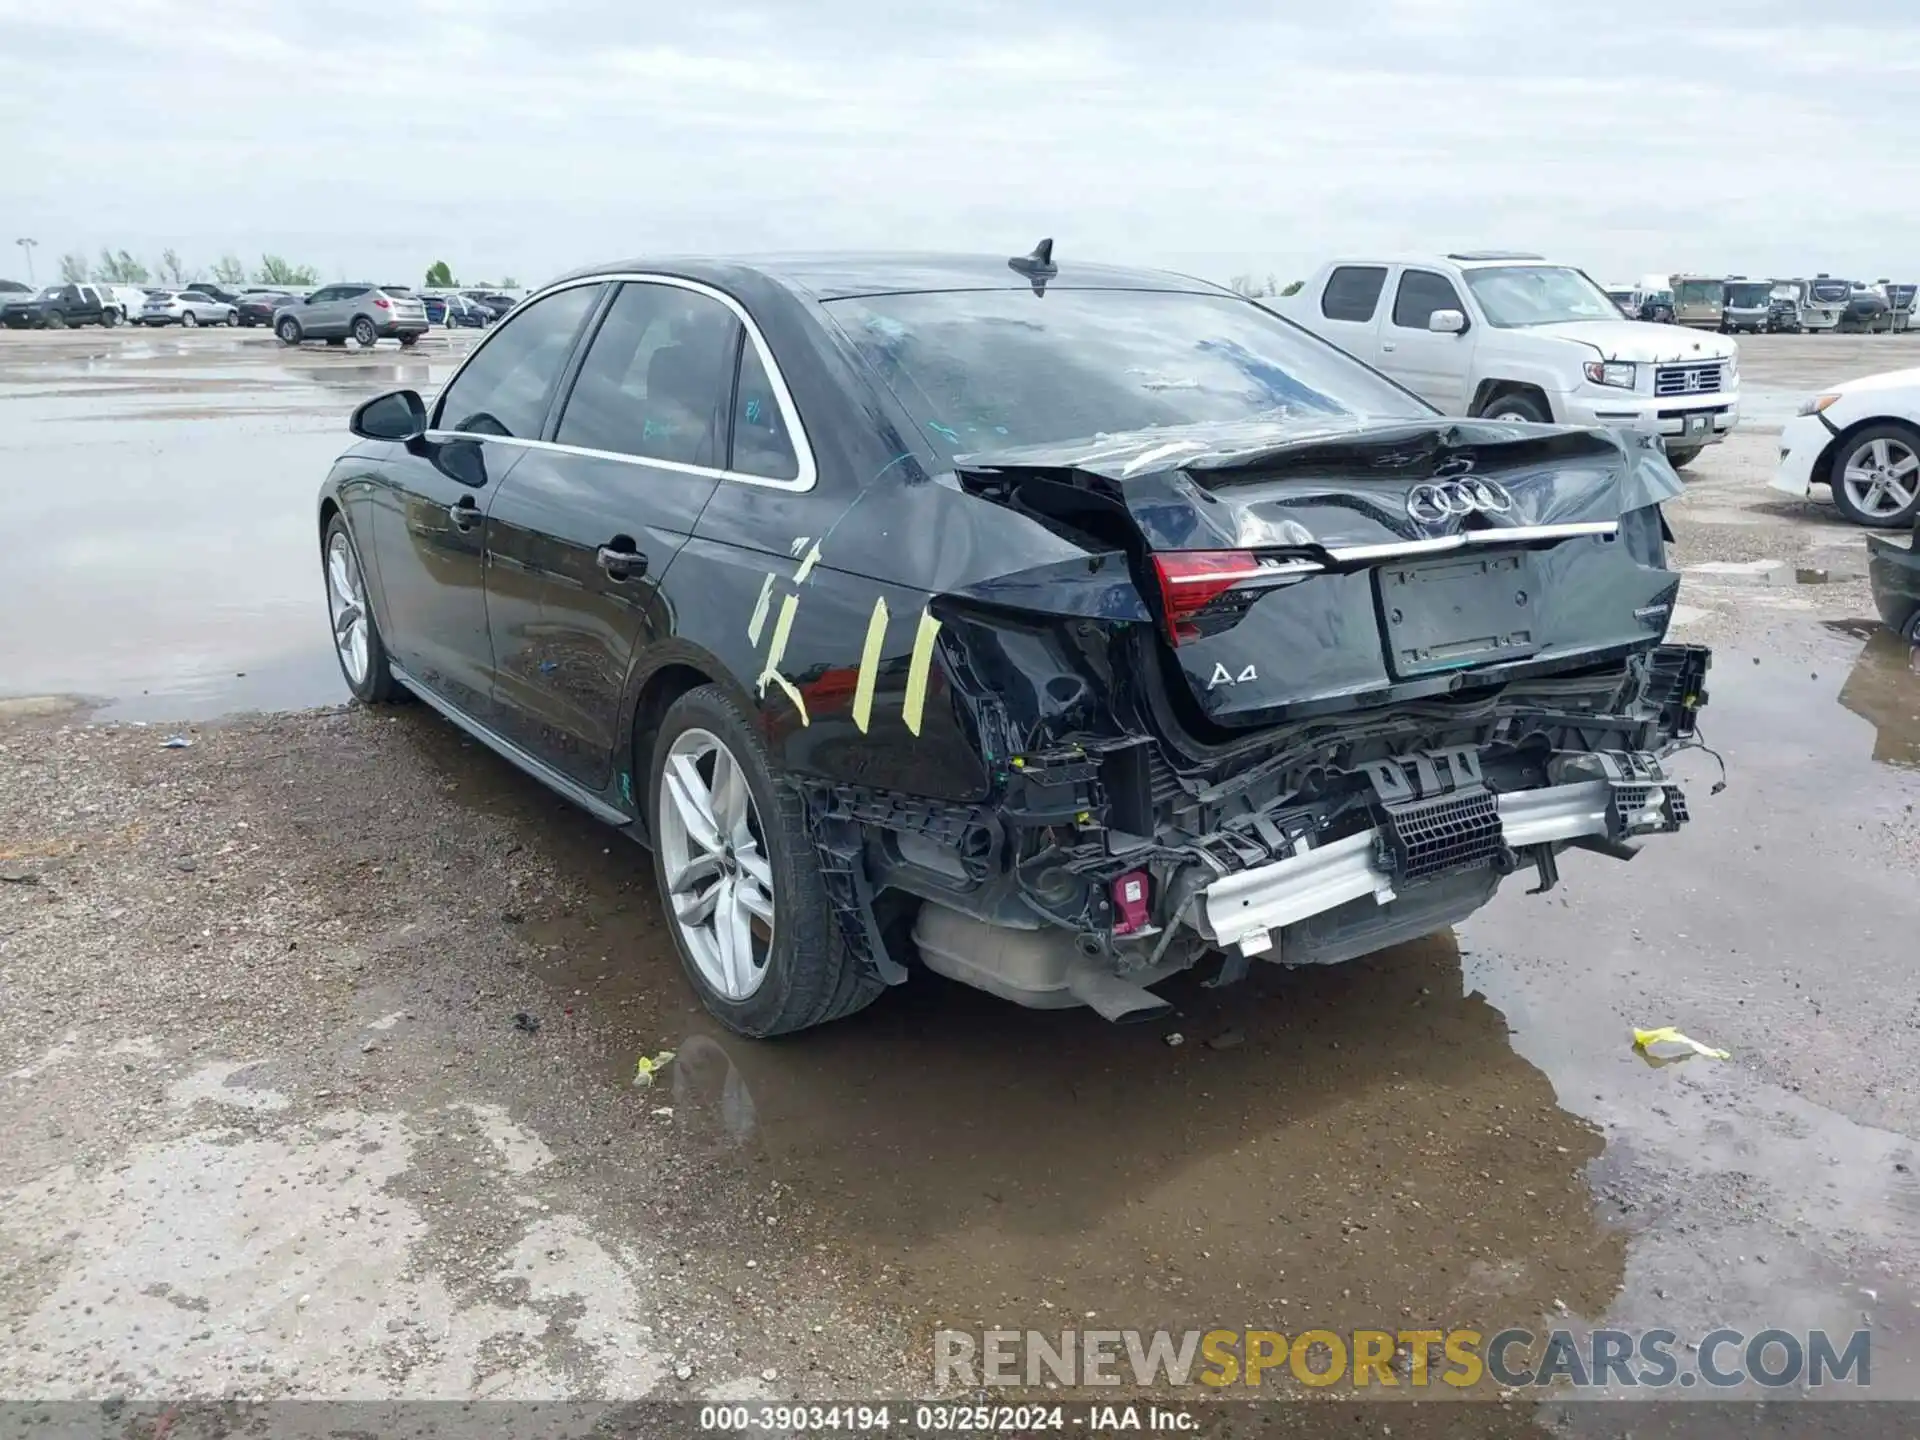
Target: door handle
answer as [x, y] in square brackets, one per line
[1388, 345]
[621, 564]
[465, 513]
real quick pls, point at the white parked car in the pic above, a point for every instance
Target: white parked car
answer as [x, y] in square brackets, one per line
[1862, 439]
[1512, 337]
[187, 307]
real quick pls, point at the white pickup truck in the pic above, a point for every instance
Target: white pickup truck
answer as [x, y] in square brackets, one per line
[1513, 337]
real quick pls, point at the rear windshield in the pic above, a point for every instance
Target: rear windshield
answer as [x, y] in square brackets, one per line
[987, 369]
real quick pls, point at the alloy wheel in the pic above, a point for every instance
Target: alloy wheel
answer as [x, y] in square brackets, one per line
[347, 604]
[719, 883]
[1882, 477]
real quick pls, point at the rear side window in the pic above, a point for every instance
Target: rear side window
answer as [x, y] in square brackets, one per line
[761, 445]
[1421, 293]
[655, 381]
[505, 387]
[1353, 292]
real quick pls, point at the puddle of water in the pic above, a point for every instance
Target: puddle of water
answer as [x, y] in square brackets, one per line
[1455, 1131]
[172, 566]
[1777, 1188]
[1883, 689]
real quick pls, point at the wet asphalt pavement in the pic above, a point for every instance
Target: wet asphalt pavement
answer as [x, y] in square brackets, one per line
[158, 511]
[278, 1132]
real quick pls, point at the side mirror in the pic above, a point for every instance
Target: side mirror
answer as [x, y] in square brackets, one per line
[1447, 322]
[399, 415]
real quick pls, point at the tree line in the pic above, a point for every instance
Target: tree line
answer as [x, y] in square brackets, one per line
[121, 267]
[1254, 289]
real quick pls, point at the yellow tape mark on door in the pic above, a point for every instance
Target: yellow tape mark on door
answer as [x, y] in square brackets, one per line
[917, 669]
[776, 651]
[806, 565]
[759, 620]
[870, 665]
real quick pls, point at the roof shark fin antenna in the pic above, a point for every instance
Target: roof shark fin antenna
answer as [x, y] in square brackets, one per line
[1037, 267]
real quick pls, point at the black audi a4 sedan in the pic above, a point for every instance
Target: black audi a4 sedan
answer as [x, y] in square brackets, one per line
[1049, 626]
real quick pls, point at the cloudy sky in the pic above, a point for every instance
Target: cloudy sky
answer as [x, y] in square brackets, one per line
[1214, 136]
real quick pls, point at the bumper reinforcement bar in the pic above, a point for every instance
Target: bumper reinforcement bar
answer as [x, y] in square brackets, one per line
[1245, 909]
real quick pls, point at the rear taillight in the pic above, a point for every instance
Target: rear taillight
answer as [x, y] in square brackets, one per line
[382, 303]
[1195, 581]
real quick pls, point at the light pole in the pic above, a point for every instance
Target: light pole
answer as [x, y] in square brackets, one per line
[26, 248]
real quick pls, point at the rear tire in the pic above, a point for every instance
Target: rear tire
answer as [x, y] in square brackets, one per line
[364, 334]
[1516, 406]
[338, 341]
[407, 342]
[189, 320]
[109, 319]
[1885, 459]
[808, 976]
[287, 332]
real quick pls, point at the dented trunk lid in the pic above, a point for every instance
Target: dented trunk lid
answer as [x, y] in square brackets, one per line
[1364, 561]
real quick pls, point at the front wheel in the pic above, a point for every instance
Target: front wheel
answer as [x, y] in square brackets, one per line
[287, 331]
[189, 319]
[1876, 476]
[364, 334]
[1683, 456]
[739, 877]
[356, 638]
[1516, 407]
[230, 319]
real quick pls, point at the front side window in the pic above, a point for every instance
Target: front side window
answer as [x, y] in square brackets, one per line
[655, 380]
[987, 369]
[505, 387]
[1421, 293]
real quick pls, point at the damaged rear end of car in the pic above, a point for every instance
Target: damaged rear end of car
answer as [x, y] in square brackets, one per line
[1315, 687]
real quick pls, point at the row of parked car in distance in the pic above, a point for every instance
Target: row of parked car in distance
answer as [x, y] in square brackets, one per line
[361, 311]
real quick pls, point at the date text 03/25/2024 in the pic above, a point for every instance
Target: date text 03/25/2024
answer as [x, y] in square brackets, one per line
[945, 1418]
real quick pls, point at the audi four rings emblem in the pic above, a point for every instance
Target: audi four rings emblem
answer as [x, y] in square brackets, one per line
[1430, 504]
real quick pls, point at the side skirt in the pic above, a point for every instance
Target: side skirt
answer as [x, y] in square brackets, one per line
[511, 752]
